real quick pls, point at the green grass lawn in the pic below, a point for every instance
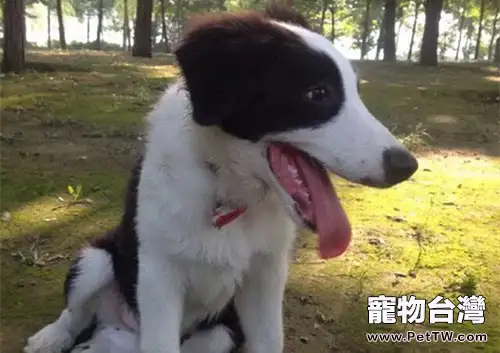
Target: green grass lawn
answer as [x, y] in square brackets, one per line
[80, 123]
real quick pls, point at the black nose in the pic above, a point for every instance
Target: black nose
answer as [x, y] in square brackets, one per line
[399, 165]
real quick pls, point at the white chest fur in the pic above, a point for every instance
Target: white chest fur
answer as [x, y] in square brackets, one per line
[228, 257]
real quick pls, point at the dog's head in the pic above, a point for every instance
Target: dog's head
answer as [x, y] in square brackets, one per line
[268, 79]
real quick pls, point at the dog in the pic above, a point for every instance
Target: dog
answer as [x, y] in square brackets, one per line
[237, 157]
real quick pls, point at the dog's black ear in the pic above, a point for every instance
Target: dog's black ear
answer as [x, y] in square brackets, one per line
[222, 57]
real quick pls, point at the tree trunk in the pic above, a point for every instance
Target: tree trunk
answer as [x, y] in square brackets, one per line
[496, 57]
[428, 52]
[124, 37]
[400, 17]
[129, 40]
[493, 33]
[400, 26]
[414, 29]
[14, 36]
[465, 49]
[126, 24]
[389, 31]
[480, 30]
[333, 10]
[62, 37]
[154, 29]
[142, 35]
[88, 27]
[164, 36]
[179, 16]
[323, 16]
[469, 46]
[49, 39]
[461, 29]
[100, 16]
[366, 29]
[380, 39]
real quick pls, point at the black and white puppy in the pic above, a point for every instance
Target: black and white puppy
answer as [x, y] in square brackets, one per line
[237, 156]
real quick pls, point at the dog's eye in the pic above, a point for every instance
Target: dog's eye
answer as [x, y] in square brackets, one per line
[318, 94]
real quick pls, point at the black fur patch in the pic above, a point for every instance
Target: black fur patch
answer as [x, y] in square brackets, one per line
[251, 77]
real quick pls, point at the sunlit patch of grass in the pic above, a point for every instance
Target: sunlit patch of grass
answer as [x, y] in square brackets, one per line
[436, 234]
[39, 213]
[493, 78]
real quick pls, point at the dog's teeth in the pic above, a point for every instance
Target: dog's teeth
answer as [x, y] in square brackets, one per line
[293, 170]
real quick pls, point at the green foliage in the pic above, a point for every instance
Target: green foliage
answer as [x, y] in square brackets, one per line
[75, 192]
[343, 18]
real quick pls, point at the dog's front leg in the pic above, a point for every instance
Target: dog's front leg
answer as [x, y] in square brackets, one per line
[259, 303]
[160, 295]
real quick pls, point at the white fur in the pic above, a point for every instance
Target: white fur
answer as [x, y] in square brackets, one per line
[53, 337]
[217, 340]
[95, 273]
[187, 268]
[111, 340]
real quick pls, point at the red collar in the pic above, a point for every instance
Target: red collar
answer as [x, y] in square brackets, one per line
[224, 215]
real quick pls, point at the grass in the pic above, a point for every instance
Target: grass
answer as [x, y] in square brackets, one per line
[79, 123]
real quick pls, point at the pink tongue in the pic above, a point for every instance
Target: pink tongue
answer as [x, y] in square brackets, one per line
[331, 222]
[324, 208]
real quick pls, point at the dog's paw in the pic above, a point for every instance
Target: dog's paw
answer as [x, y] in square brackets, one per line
[51, 339]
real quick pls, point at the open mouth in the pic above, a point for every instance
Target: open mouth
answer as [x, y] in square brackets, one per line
[316, 202]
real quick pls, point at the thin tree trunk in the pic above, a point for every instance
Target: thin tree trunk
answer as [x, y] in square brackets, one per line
[400, 25]
[126, 24]
[88, 27]
[380, 39]
[366, 29]
[460, 29]
[468, 41]
[389, 31]
[179, 16]
[14, 36]
[164, 27]
[142, 33]
[124, 37]
[62, 37]
[428, 52]
[154, 29]
[100, 16]
[493, 33]
[323, 16]
[333, 10]
[480, 30]
[400, 17]
[414, 29]
[49, 39]
[129, 40]
[465, 49]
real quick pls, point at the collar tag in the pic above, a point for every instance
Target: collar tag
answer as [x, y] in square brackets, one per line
[223, 215]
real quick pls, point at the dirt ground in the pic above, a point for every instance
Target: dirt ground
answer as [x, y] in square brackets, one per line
[72, 130]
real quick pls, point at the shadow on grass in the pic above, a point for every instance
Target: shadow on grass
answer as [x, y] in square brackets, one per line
[454, 104]
[335, 315]
[34, 265]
